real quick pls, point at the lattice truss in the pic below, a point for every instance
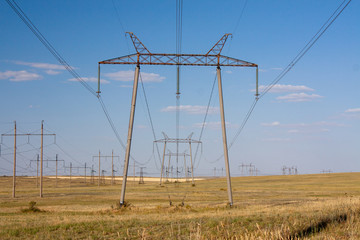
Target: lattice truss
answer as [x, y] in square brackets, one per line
[211, 58]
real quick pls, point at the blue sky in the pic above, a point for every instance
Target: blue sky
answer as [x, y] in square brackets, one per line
[310, 120]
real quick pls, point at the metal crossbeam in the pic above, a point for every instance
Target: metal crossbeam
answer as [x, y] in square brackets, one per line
[178, 140]
[212, 58]
[179, 59]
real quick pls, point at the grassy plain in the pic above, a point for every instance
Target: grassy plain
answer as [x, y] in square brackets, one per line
[325, 206]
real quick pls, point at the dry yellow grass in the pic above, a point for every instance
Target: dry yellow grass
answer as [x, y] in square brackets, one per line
[274, 207]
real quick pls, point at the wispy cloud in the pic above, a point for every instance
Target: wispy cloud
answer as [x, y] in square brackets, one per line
[282, 88]
[270, 124]
[33, 106]
[89, 79]
[52, 72]
[299, 125]
[353, 110]
[351, 113]
[215, 125]
[19, 76]
[48, 66]
[127, 76]
[276, 139]
[126, 86]
[191, 109]
[299, 97]
[270, 69]
[294, 128]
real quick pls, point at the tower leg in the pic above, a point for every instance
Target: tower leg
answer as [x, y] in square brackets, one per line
[130, 130]
[192, 167]
[162, 164]
[221, 100]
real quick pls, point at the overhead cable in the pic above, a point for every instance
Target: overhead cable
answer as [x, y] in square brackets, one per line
[303, 51]
[62, 61]
[205, 117]
[48, 45]
[150, 118]
[307, 47]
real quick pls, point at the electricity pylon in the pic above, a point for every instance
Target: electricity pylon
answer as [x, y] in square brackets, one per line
[99, 157]
[56, 160]
[144, 57]
[42, 134]
[167, 140]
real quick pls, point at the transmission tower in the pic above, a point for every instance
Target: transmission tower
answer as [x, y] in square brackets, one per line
[141, 179]
[15, 135]
[183, 154]
[144, 57]
[102, 181]
[56, 160]
[92, 178]
[248, 169]
[187, 140]
[289, 170]
[99, 157]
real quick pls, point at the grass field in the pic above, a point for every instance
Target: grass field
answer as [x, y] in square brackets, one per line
[325, 206]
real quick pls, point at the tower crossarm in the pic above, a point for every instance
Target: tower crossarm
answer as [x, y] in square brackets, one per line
[178, 140]
[179, 59]
[212, 58]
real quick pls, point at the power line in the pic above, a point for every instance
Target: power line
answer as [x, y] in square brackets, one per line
[67, 154]
[240, 17]
[150, 118]
[48, 45]
[205, 117]
[62, 61]
[179, 10]
[121, 25]
[307, 47]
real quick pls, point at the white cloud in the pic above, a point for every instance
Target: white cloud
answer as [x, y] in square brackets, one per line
[331, 124]
[293, 131]
[19, 76]
[281, 88]
[215, 125]
[48, 66]
[353, 110]
[270, 124]
[276, 139]
[127, 76]
[191, 109]
[299, 97]
[52, 72]
[266, 70]
[295, 128]
[33, 106]
[303, 125]
[89, 79]
[126, 86]
[352, 113]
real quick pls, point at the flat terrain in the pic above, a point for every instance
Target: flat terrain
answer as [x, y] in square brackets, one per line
[324, 206]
